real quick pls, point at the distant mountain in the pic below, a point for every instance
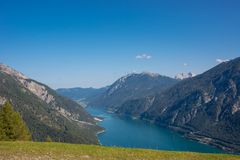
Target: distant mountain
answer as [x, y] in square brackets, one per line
[205, 107]
[132, 86]
[182, 76]
[80, 94]
[45, 112]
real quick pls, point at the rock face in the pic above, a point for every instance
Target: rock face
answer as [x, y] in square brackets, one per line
[44, 111]
[132, 86]
[39, 90]
[205, 107]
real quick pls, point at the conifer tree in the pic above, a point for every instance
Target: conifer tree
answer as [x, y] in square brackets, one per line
[12, 126]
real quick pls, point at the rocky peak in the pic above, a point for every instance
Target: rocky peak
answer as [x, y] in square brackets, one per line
[122, 81]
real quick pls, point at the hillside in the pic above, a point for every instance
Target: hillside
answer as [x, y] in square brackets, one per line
[132, 86]
[205, 107]
[44, 111]
[42, 151]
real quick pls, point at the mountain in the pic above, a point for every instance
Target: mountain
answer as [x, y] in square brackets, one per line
[132, 86]
[81, 94]
[46, 113]
[204, 108]
[182, 76]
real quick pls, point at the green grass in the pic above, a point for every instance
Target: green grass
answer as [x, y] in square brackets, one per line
[45, 151]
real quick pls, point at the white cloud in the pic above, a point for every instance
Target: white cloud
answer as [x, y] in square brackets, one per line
[221, 60]
[143, 56]
[185, 64]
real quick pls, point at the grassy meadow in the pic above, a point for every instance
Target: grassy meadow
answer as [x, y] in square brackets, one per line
[58, 151]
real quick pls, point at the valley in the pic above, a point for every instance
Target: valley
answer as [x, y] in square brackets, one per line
[120, 80]
[204, 108]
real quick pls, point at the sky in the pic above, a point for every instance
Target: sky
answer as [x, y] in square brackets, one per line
[91, 43]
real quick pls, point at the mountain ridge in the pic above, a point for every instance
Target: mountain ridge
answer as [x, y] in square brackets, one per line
[132, 86]
[44, 111]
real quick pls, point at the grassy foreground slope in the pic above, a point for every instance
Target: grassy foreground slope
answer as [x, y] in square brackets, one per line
[45, 151]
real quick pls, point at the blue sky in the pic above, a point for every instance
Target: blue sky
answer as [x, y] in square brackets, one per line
[67, 43]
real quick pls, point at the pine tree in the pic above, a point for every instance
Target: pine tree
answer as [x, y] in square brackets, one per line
[12, 126]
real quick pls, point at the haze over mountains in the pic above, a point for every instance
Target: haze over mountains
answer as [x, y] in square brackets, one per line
[45, 112]
[79, 93]
[205, 107]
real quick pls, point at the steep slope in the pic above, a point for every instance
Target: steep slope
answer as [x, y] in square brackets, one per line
[206, 107]
[44, 111]
[132, 86]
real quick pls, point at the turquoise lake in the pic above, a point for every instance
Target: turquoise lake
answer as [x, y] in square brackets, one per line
[133, 133]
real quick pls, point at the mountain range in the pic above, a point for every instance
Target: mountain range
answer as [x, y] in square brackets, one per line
[81, 95]
[45, 112]
[128, 87]
[205, 107]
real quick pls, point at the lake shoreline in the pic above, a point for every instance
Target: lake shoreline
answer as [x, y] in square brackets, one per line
[224, 146]
[123, 134]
